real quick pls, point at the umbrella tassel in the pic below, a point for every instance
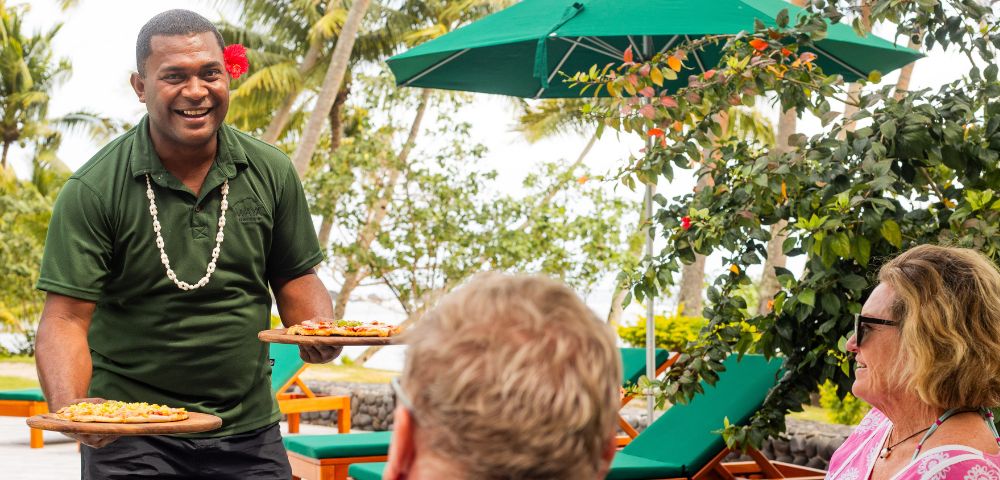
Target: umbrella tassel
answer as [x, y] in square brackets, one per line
[542, 49]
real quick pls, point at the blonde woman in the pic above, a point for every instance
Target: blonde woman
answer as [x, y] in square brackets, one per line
[927, 348]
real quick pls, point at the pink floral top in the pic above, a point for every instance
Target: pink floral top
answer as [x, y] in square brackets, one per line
[855, 459]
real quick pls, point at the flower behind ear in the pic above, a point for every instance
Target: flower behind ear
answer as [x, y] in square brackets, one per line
[235, 57]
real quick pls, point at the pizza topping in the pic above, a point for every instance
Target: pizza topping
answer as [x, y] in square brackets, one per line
[114, 411]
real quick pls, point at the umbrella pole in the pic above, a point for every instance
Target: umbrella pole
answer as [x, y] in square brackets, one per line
[647, 53]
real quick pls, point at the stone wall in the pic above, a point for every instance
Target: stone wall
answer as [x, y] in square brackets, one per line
[805, 443]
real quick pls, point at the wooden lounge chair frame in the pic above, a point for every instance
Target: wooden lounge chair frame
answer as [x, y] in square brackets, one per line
[326, 468]
[26, 408]
[294, 404]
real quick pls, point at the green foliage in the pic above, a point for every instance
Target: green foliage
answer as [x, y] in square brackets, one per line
[924, 167]
[24, 219]
[445, 216]
[673, 332]
[846, 409]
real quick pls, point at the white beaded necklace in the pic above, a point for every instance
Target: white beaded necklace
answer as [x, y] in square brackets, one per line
[159, 239]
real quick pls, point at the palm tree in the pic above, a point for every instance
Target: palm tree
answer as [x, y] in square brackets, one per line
[28, 72]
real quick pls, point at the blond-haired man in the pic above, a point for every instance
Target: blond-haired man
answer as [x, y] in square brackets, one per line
[511, 377]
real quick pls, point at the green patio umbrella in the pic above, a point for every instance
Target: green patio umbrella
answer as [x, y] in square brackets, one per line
[520, 51]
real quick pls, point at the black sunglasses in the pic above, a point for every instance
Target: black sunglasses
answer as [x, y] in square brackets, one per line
[859, 331]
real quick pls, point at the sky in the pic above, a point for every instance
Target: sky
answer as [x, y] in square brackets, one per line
[98, 36]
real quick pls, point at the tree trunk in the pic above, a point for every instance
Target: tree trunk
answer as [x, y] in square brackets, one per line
[280, 118]
[354, 272]
[336, 136]
[331, 86]
[3, 160]
[692, 280]
[903, 84]
[775, 254]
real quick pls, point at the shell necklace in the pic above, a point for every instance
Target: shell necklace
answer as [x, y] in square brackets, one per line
[159, 239]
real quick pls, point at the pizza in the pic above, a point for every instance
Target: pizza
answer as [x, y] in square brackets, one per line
[343, 328]
[114, 411]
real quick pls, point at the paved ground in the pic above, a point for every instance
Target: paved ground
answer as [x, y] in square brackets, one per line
[59, 459]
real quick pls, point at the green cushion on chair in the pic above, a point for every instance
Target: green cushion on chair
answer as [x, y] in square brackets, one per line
[686, 435]
[628, 467]
[287, 363]
[30, 394]
[366, 471]
[341, 445]
[634, 363]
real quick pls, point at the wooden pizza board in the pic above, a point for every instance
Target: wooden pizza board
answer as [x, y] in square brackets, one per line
[196, 422]
[278, 335]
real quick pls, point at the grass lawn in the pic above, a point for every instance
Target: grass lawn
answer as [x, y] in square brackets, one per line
[348, 373]
[12, 383]
[815, 414]
[17, 359]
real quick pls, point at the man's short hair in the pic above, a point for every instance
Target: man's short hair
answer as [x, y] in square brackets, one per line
[171, 22]
[514, 377]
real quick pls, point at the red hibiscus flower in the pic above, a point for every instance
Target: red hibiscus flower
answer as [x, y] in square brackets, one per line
[686, 223]
[236, 60]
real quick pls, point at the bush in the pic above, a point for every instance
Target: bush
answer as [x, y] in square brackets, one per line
[846, 411]
[672, 332]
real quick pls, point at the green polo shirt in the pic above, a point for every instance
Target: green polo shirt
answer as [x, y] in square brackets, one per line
[149, 340]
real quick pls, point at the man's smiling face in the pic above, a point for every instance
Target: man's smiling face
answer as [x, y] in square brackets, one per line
[185, 89]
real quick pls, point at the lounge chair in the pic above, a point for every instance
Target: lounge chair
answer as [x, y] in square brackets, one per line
[683, 443]
[633, 368]
[25, 402]
[328, 456]
[285, 373]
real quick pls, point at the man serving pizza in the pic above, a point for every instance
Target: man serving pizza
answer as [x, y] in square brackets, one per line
[159, 258]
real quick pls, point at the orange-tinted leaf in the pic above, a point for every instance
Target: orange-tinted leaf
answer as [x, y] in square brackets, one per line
[656, 132]
[644, 70]
[807, 57]
[678, 126]
[758, 44]
[647, 92]
[628, 55]
[582, 180]
[647, 111]
[785, 52]
[668, 102]
[709, 74]
[674, 63]
[735, 269]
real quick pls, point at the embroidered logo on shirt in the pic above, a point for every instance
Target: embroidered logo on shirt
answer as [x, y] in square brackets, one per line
[249, 210]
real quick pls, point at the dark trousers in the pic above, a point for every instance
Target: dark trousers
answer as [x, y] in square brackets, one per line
[254, 455]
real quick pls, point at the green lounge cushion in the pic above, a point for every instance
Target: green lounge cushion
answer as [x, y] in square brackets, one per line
[628, 467]
[287, 363]
[339, 445]
[30, 394]
[366, 471]
[687, 436]
[634, 363]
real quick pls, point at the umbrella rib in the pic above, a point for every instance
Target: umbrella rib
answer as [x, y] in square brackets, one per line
[610, 47]
[588, 47]
[667, 46]
[697, 59]
[558, 67]
[842, 64]
[604, 46]
[635, 48]
[434, 67]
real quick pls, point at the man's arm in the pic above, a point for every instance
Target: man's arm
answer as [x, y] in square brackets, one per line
[62, 356]
[299, 299]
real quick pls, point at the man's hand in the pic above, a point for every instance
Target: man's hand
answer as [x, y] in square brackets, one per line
[319, 353]
[90, 440]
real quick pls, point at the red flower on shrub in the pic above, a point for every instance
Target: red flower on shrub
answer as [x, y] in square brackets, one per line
[686, 223]
[235, 57]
